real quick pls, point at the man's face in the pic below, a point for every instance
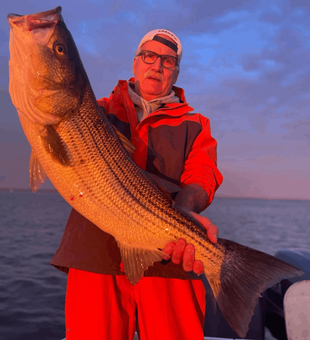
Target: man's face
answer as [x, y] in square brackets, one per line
[153, 80]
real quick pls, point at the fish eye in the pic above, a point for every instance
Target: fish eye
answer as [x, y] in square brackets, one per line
[60, 49]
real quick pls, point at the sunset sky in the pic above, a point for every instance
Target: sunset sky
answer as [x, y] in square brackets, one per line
[245, 65]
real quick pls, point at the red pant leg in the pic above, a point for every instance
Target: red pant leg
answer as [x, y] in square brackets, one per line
[99, 307]
[170, 309]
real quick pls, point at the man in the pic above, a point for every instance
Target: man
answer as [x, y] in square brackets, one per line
[177, 146]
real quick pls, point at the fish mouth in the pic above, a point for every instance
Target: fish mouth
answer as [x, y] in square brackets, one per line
[36, 21]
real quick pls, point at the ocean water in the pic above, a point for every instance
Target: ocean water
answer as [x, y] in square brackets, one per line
[32, 292]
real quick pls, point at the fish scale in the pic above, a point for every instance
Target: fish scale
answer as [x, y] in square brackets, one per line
[75, 146]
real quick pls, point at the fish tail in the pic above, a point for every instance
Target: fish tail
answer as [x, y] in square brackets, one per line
[240, 280]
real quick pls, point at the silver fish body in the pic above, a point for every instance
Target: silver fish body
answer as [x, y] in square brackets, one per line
[75, 146]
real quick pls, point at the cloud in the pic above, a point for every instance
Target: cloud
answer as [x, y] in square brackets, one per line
[4, 72]
[8, 115]
[299, 130]
[268, 177]
[265, 114]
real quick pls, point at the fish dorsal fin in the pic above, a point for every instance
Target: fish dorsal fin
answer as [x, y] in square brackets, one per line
[137, 260]
[36, 172]
[55, 146]
[125, 141]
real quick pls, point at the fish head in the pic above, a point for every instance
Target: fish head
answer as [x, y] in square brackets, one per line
[47, 76]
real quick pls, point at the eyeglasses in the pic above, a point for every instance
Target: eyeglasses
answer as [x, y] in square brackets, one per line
[167, 61]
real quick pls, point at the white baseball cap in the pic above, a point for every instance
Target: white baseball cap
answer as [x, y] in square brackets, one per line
[152, 35]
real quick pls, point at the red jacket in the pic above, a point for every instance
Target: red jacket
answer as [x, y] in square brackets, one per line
[170, 142]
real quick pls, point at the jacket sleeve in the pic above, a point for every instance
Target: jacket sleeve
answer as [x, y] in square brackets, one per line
[103, 102]
[200, 166]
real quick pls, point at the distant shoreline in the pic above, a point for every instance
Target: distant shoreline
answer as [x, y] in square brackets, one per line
[216, 195]
[25, 190]
[262, 198]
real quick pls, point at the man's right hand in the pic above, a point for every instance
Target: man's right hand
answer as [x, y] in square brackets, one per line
[181, 251]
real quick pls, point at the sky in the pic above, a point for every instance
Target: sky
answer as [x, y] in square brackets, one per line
[245, 66]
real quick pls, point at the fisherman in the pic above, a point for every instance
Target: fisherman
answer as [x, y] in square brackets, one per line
[176, 146]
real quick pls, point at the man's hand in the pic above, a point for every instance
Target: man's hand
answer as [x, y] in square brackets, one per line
[181, 251]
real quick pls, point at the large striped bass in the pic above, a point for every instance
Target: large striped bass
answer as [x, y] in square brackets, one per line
[75, 146]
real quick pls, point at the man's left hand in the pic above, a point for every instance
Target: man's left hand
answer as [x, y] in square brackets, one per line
[181, 251]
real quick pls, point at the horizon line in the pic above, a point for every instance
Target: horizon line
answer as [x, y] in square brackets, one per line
[216, 195]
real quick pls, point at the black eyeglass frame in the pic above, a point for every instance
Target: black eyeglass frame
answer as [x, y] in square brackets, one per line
[142, 53]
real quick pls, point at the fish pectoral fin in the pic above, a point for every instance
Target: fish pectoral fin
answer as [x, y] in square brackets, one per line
[168, 188]
[125, 141]
[36, 172]
[137, 260]
[55, 146]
